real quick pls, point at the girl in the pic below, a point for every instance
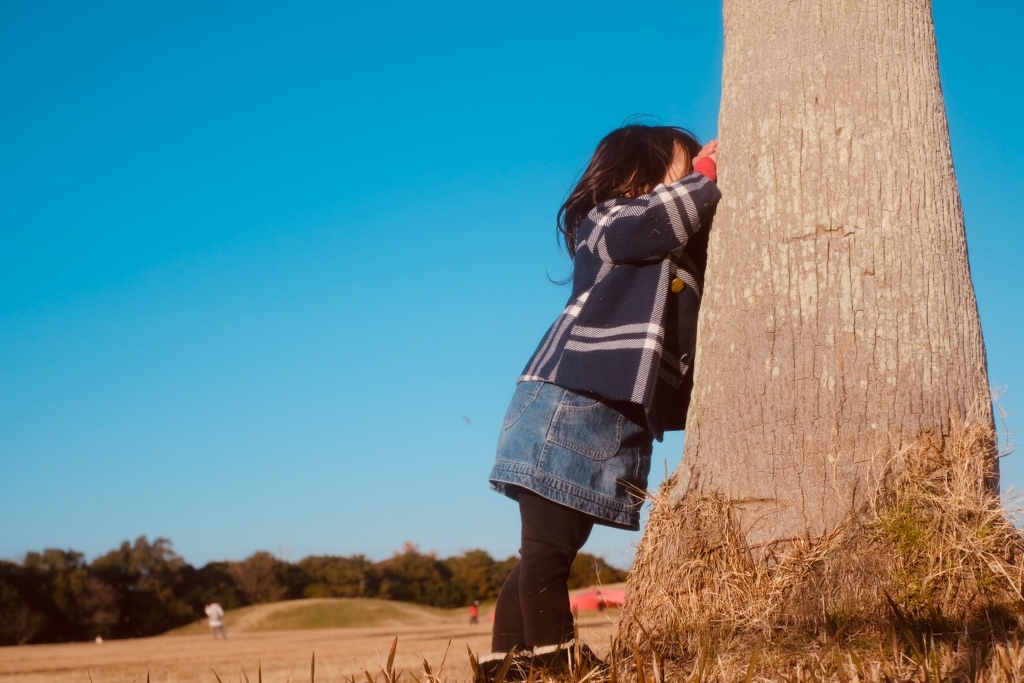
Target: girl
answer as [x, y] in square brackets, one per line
[611, 375]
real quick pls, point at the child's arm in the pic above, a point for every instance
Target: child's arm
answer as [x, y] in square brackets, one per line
[659, 222]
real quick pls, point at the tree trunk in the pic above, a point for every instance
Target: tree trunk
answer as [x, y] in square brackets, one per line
[839, 316]
[839, 312]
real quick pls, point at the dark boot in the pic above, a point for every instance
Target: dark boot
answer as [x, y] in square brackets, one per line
[573, 656]
[509, 667]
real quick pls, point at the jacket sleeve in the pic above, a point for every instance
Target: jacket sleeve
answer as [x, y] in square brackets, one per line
[661, 221]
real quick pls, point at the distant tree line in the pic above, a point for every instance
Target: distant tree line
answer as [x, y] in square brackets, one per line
[144, 588]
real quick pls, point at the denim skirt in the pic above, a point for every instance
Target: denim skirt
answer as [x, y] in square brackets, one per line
[575, 450]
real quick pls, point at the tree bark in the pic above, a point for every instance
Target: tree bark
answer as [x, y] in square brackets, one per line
[839, 316]
[839, 312]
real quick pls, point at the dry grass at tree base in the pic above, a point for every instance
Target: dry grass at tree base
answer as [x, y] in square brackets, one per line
[927, 577]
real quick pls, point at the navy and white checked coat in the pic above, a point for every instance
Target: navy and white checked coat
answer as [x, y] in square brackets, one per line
[626, 334]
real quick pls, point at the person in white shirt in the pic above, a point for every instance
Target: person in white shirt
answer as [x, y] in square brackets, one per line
[216, 615]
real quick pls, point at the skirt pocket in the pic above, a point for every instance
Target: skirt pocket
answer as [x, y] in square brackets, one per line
[526, 393]
[587, 426]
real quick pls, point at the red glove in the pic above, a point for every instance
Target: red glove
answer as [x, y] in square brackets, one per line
[706, 167]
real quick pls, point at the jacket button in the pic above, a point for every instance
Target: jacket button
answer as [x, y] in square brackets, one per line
[677, 285]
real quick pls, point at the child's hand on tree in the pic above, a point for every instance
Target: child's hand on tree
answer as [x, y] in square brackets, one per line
[708, 150]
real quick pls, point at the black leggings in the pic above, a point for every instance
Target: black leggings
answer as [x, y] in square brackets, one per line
[533, 606]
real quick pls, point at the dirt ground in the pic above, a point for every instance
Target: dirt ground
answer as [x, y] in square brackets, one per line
[284, 655]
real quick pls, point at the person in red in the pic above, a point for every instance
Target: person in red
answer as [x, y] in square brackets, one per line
[474, 613]
[613, 373]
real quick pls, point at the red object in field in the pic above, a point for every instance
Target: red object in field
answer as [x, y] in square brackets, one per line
[596, 599]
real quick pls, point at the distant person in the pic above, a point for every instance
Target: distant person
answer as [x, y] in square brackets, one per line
[474, 613]
[612, 374]
[216, 615]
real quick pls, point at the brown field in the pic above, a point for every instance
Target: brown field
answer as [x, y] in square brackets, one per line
[283, 655]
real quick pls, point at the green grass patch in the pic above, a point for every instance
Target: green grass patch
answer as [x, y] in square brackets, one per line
[323, 613]
[348, 613]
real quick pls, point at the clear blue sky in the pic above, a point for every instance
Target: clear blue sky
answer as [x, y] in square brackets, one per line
[258, 262]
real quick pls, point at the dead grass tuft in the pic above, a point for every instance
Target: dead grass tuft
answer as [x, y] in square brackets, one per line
[929, 570]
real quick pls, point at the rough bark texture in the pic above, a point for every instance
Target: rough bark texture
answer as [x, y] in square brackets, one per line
[839, 311]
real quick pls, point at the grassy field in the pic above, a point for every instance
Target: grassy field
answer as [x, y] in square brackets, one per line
[279, 640]
[346, 635]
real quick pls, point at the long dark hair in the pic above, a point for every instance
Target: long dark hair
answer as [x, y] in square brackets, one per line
[629, 162]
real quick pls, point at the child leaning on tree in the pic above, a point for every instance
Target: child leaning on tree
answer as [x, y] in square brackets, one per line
[612, 374]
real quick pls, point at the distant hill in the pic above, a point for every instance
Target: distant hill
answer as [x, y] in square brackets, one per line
[325, 613]
[316, 613]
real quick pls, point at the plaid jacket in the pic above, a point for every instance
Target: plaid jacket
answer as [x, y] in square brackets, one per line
[629, 330]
